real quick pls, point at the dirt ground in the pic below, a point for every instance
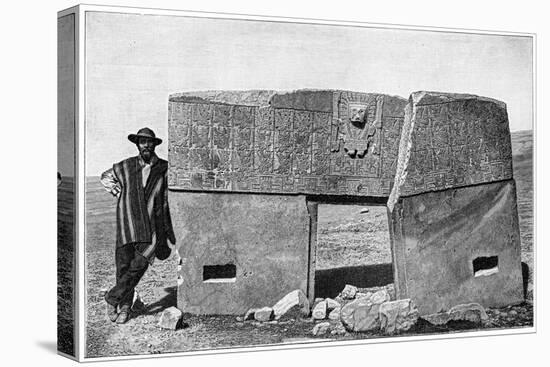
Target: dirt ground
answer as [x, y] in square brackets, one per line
[346, 237]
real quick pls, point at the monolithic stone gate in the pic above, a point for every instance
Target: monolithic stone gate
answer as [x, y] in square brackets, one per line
[247, 170]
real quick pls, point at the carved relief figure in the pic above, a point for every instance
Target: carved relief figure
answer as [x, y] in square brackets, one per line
[358, 135]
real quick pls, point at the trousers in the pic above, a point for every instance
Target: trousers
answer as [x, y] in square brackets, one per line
[130, 268]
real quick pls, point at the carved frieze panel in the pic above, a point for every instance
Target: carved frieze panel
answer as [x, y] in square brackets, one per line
[265, 149]
[457, 141]
[347, 146]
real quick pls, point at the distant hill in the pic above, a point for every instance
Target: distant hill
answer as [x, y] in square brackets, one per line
[522, 143]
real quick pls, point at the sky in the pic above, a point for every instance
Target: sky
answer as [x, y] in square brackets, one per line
[134, 62]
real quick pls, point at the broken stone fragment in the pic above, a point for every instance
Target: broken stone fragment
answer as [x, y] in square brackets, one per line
[348, 292]
[170, 318]
[319, 311]
[472, 312]
[397, 316]
[320, 328]
[380, 297]
[360, 315]
[263, 314]
[331, 304]
[363, 295]
[334, 314]
[338, 329]
[317, 300]
[249, 315]
[294, 304]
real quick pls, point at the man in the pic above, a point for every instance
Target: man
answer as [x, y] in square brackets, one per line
[143, 219]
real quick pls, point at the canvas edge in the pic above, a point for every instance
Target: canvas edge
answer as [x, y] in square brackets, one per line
[80, 27]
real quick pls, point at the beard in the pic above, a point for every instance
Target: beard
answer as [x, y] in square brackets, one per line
[146, 154]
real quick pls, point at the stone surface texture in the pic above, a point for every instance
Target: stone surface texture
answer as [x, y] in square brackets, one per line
[380, 297]
[263, 314]
[293, 304]
[335, 314]
[321, 328]
[436, 237]
[331, 304]
[397, 316]
[170, 318]
[451, 140]
[264, 237]
[348, 292]
[360, 315]
[296, 142]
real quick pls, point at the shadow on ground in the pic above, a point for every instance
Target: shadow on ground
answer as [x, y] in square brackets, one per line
[330, 282]
[169, 300]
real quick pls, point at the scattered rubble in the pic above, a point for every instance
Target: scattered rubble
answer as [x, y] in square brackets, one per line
[371, 309]
[472, 312]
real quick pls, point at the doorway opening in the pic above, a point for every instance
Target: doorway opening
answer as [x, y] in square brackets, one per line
[352, 246]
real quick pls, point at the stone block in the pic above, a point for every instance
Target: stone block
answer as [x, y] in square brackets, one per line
[397, 316]
[348, 292]
[472, 312]
[320, 328]
[461, 246]
[263, 314]
[294, 304]
[228, 141]
[335, 314]
[360, 315]
[249, 315]
[331, 304]
[170, 318]
[319, 312]
[380, 297]
[239, 251]
[448, 139]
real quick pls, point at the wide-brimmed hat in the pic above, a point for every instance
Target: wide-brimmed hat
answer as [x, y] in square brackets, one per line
[144, 133]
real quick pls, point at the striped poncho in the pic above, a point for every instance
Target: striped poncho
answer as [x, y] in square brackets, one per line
[143, 216]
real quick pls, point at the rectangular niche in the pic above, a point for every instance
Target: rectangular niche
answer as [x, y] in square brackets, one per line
[484, 266]
[219, 273]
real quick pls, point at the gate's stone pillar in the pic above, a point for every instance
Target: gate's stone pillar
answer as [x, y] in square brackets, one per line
[239, 250]
[453, 215]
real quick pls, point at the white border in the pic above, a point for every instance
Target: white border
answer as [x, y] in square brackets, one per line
[80, 107]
